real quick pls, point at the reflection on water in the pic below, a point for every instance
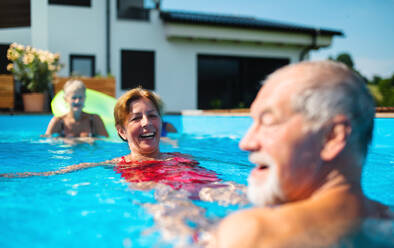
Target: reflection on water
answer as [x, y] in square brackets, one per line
[183, 223]
[380, 231]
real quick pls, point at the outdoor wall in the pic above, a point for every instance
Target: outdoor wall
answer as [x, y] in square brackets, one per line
[39, 24]
[176, 59]
[19, 35]
[64, 29]
[177, 70]
[82, 31]
[78, 30]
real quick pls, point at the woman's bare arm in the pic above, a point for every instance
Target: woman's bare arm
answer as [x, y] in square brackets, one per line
[64, 170]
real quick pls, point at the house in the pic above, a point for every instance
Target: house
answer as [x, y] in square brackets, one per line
[193, 60]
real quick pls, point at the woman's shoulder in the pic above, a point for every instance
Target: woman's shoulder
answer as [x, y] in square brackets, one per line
[180, 157]
[173, 154]
[165, 156]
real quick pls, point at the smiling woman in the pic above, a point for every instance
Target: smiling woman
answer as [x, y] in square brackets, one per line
[138, 122]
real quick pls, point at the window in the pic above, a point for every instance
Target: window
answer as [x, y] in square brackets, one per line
[14, 13]
[138, 68]
[132, 9]
[81, 3]
[226, 82]
[82, 65]
[3, 59]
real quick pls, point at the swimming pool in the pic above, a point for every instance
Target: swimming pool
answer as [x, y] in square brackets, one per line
[96, 208]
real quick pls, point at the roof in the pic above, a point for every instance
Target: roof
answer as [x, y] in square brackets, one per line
[239, 21]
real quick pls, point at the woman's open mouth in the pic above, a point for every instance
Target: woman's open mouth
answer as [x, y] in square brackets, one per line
[149, 135]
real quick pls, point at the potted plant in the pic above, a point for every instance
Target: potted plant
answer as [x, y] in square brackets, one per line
[35, 69]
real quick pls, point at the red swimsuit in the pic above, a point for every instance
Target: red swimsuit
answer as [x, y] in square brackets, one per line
[177, 172]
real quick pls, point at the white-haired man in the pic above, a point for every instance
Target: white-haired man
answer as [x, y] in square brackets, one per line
[312, 124]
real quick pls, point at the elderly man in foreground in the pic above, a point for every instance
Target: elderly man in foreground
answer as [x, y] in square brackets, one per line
[312, 124]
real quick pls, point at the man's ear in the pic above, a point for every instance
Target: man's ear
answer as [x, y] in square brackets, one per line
[121, 132]
[336, 138]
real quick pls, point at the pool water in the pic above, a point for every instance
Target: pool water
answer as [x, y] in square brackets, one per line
[97, 208]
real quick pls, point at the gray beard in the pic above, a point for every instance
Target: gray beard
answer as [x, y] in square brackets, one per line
[267, 193]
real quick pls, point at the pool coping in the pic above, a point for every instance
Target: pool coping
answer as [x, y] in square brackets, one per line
[216, 112]
[245, 112]
[384, 115]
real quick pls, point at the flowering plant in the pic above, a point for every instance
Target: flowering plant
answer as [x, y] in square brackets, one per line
[34, 68]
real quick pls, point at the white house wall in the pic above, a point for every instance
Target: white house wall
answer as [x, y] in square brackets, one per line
[177, 73]
[81, 30]
[78, 30]
[176, 59]
[39, 24]
[20, 35]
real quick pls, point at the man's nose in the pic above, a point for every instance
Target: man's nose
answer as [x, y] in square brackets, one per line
[250, 142]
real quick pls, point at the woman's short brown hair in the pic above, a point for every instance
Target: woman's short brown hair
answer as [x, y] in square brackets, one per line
[122, 106]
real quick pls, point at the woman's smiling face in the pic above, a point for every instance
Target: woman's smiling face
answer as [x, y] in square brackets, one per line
[142, 128]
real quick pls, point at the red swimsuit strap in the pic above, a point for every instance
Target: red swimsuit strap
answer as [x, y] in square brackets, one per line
[146, 162]
[122, 160]
[177, 157]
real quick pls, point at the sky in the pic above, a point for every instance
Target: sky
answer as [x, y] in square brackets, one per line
[368, 25]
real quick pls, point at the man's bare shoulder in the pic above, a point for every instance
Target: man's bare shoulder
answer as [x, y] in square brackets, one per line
[54, 126]
[95, 117]
[301, 224]
[242, 229]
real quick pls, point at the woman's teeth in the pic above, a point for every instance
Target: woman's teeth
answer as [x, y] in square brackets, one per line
[147, 135]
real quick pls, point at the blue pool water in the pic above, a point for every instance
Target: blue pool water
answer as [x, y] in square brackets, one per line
[96, 208]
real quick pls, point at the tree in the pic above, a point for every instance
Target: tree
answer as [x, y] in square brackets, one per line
[346, 59]
[386, 88]
[375, 80]
[382, 89]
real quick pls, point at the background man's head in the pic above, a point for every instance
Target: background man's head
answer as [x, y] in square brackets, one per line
[75, 94]
[72, 86]
[297, 114]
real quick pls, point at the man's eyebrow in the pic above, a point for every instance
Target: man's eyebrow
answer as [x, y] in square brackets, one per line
[263, 112]
[266, 111]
